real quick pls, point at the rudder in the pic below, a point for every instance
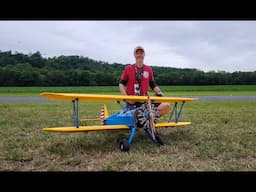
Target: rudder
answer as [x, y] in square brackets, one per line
[103, 114]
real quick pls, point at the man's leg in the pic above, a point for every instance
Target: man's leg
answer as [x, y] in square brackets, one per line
[163, 109]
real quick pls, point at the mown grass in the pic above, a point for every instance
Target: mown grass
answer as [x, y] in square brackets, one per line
[35, 91]
[168, 90]
[222, 137]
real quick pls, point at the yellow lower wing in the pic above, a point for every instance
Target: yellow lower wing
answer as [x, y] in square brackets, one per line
[107, 127]
[172, 124]
[86, 128]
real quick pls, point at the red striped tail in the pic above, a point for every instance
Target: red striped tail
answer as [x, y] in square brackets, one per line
[102, 116]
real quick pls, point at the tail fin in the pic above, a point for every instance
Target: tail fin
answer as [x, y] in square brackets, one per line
[103, 114]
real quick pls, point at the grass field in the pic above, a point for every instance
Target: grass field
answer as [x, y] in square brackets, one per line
[167, 90]
[221, 138]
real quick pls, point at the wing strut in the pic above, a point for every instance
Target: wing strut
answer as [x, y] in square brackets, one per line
[176, 112]
[75, 111]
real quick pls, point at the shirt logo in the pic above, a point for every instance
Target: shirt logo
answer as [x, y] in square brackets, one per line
[145, 74]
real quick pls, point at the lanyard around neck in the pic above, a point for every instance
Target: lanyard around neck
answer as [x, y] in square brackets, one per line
[138, 76]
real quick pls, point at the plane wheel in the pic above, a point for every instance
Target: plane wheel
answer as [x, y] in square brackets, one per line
[159, 140]
[124, 145]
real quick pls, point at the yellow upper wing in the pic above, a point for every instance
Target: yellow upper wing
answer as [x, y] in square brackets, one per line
[104, 98]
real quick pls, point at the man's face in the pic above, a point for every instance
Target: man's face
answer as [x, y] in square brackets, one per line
[139, 54]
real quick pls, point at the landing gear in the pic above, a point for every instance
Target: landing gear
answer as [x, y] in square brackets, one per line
[143, 118]
[159, 140]
[124, 145]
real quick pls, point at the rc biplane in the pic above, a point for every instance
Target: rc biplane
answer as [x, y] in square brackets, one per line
[143, 117]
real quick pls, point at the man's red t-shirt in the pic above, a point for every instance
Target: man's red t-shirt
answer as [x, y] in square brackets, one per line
[128, 75]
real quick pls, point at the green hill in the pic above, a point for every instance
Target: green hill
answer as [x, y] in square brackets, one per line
[18, 69]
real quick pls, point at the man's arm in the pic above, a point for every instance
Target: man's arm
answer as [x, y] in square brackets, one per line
[122, 88]
[155, 88]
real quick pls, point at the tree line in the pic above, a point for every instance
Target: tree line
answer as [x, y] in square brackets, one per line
[18, 69]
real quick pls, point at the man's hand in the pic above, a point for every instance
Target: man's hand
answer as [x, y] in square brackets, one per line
[159, 94]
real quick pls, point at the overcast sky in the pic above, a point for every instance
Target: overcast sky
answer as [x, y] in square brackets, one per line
[205, 45]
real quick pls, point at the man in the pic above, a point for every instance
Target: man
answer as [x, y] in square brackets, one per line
[137, 78]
